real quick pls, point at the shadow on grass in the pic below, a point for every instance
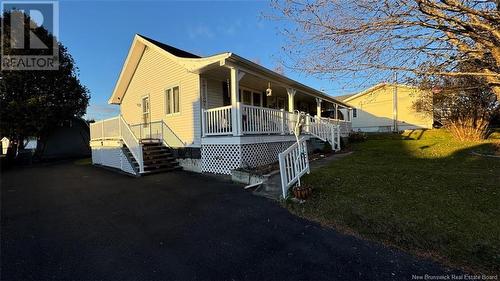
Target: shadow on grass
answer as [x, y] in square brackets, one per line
[424, 193]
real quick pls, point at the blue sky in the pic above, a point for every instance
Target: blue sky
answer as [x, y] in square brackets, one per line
[98, 34]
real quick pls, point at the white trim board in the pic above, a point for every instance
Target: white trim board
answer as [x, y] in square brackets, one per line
[248, 139]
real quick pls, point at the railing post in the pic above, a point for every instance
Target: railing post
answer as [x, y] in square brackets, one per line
[239, 115]
[281, 158]
[308, 123]
[282, 115]
[338, 137]
[203, 129]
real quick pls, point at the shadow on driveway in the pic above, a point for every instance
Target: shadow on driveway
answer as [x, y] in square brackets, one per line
[79, 222]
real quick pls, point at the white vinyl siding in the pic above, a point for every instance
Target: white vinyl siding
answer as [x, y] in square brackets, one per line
[214, 97]
[154, 73]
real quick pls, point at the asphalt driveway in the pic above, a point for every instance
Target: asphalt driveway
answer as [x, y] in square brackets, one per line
[79, 222]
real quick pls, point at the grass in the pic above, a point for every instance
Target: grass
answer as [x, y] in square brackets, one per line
[422, 191]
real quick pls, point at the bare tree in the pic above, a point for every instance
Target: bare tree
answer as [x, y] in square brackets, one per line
[463, 104]
[369, 38]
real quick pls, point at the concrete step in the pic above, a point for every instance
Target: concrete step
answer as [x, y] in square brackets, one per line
[271, 188]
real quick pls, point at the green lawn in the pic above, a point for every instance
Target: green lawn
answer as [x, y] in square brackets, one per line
[422, 192]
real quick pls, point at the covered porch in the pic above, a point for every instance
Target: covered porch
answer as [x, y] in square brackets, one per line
[239, 102]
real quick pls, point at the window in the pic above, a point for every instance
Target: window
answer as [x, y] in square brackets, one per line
[145, 110]
[250, 97]
[354, 113]
[172, 100]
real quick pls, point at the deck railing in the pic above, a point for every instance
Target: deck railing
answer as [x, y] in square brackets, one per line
[132, 142]
[254, 120]
[157, 130]
[217, 121]
[108, 129]
[117, 129]
[294, 163]
[261, 120]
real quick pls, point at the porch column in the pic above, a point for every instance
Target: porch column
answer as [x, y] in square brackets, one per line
[336, 111]
[318, 107]
[291, 94]
[235, 108]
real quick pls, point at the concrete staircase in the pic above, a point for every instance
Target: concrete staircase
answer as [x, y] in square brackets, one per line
[271, 188]
[157, 158]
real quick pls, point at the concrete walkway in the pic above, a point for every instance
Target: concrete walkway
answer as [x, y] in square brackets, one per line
[70, 222]
[272, 187]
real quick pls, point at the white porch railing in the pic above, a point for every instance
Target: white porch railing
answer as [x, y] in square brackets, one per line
[117, 129]
[260, 120]
[132, 143]
[294, 163]
[108, 129]
[324, 129]
[217, 121]
[345, 126]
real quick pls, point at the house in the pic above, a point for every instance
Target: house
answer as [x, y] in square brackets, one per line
[206, 114]
[386, 107]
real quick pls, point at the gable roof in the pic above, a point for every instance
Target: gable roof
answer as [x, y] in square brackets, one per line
[373, 88]
[174, 51]
[195, 63]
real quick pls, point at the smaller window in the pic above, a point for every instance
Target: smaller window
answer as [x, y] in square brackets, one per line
[172, 100]
[354, 113]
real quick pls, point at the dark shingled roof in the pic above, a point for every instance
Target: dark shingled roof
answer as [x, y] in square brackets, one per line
[172, 50]
[344, 97]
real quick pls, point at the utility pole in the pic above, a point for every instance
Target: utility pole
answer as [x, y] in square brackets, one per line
[395, 103]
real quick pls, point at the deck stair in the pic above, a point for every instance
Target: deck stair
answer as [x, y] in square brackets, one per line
[157, 158]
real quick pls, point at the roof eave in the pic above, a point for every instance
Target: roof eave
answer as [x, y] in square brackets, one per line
[284, 80]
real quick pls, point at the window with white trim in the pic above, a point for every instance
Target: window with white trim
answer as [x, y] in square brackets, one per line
[250, 97]
[172, 100]
[354, 113]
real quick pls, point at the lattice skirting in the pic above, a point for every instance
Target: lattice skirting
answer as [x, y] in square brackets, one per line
[222, 158]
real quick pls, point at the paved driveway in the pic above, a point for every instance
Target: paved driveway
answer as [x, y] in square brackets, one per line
[70, 222]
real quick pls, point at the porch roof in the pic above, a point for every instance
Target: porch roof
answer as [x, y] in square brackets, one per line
[199, 64]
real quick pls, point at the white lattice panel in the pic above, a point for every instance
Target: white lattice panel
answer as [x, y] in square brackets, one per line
[259, 154]
[220, 158]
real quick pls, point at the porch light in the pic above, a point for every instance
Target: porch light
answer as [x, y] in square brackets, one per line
[269, 91]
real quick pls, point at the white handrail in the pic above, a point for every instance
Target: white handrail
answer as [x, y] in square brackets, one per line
[294, 163]
[132, 143]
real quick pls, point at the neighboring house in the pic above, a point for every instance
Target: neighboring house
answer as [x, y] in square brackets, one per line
[208, 114]
[386, 107]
